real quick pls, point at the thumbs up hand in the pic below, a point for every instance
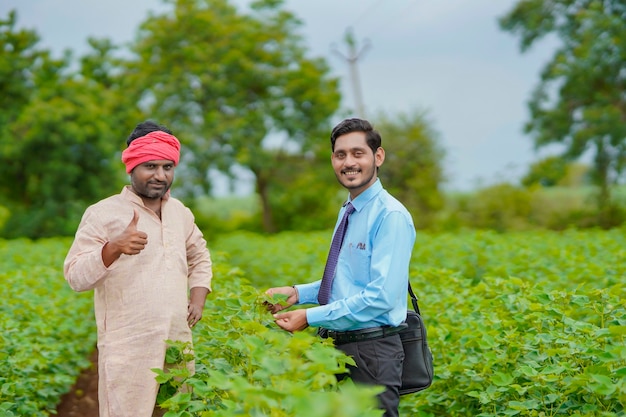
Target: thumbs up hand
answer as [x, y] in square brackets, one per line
[130, 242]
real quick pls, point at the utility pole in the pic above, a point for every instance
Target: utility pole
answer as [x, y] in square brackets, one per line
[352, 58]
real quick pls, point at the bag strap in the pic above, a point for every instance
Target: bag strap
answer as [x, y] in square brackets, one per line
[414, 300]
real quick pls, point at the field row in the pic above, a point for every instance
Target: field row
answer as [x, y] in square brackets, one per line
[529, 324]
[46, 330]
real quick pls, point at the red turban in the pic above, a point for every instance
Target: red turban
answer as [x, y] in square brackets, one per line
[155, 145]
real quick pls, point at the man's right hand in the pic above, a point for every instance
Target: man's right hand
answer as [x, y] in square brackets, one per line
[130, 242]
[290, 292]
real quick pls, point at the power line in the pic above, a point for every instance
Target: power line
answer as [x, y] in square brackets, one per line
[352, 59]
[354, 54]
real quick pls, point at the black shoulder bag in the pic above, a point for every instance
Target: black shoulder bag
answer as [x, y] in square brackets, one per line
[417, 369]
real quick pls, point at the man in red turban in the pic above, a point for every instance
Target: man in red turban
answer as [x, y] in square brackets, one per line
[150, 269]
[154, 145]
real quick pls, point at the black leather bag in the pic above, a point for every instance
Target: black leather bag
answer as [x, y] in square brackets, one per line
[417, 369]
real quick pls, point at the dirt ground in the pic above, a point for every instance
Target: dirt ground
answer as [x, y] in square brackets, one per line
[82, 400]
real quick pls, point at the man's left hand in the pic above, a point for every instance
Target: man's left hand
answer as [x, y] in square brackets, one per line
[194, 314]
[292, 321]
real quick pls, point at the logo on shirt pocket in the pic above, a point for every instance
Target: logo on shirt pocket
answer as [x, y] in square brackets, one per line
[361, 246]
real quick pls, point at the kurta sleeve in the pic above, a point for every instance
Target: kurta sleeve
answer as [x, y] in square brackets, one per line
[198, 259]
[83, 267]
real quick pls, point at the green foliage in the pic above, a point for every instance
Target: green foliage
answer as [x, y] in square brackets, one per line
[23, 66]
[305, 194]
[559, 208]
[4, 215]
[46, 330]
[555, 171]
[238, 88]
[576, 175]
[247, 366]
[546, 172]
[519, 349]
[505, 207]
[59, 149]
[558, 260]
[413, 167]
[19, 59]
[216, 216]
[64, 139]
[302, 262]
[499, 207]
[580, 101]
[528, 324]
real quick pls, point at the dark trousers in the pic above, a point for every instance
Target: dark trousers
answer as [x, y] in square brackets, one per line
[378, 362]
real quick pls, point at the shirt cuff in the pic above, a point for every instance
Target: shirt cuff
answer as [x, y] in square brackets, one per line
[307, 293]
[316, 316]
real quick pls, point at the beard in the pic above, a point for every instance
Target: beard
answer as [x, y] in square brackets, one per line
[366, 177]
[151, 190]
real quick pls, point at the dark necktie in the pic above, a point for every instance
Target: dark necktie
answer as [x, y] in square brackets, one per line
[333, 255]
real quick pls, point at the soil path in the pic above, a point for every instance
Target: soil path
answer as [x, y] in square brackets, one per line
[82, 400]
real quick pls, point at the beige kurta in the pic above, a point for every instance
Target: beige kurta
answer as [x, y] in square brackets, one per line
[140, 300]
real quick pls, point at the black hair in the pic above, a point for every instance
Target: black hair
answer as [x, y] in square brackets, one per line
[372, 137]
[143, 128]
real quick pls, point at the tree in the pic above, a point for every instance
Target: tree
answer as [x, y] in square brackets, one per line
[305, 193]
[62, 160]
[580, 101]
[60, 152]
[19, 59]
[546, 172]
[237, 89]
[413, 168]
[555, 171]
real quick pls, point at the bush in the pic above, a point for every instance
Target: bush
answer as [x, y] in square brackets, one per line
[504, 207]
[246, 365]
[499, 207]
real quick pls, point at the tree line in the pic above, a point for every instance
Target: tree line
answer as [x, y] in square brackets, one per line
[242, 91]
[580, 100]
[239, 89]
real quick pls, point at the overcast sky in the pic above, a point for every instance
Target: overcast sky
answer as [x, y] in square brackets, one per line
[447, 57]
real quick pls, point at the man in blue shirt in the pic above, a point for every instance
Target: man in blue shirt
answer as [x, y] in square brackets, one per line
[367, 304]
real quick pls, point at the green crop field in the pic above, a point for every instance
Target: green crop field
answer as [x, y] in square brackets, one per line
[520, 324]
[46, 330]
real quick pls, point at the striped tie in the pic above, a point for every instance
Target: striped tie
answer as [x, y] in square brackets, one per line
[333, 255]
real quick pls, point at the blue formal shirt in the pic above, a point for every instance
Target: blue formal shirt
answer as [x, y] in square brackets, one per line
[371, 280]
